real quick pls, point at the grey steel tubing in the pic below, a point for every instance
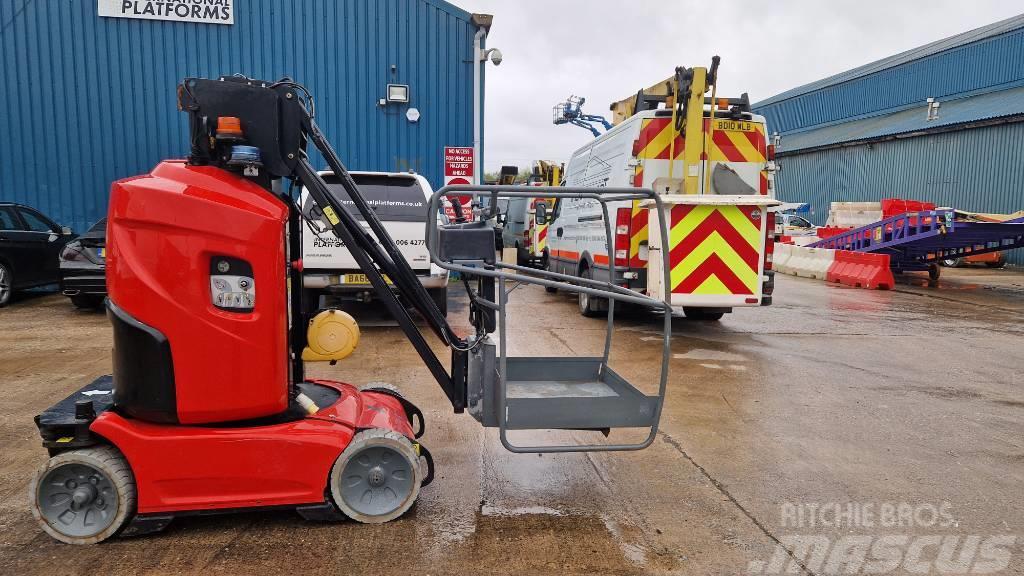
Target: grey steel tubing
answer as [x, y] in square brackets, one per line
[571, 278]
[606, 195]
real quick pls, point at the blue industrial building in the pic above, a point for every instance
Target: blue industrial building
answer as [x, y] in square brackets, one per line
[871, 133]
[89, 98]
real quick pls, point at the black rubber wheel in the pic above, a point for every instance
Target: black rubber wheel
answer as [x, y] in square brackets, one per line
[83, 496]
[87, 301]
[953, 262]
[6, 285]
[377, 478]
[440, 298]
[702, 314]
[934, 272]
[587, 303]
[546, 265]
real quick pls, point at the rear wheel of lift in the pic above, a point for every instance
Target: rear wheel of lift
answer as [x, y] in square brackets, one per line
[83, 496]
[377, 478]
[702, 314]
[587, 303]
[440, 298]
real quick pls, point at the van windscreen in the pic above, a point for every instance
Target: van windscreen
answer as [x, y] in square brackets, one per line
[392, 198]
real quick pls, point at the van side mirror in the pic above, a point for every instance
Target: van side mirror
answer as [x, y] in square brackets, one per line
[540, 210]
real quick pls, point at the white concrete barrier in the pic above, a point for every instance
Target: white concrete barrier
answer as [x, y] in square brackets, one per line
[808, 262]
[781, 257]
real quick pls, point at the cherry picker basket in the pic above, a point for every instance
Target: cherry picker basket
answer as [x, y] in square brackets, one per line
[546, 393]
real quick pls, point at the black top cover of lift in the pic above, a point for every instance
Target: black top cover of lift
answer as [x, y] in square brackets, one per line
[270, 113]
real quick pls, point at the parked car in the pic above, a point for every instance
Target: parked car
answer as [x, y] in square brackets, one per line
[83, 267]
[792, 225]
[400, 201]
[29, 245]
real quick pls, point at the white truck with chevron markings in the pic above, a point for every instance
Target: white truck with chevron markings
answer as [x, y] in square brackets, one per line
[709, 160]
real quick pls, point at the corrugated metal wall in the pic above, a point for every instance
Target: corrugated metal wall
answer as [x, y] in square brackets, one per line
[977, 169]
[87, 100]
[992, 63]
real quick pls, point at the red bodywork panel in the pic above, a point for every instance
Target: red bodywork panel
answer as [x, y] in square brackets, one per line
[163, 230]
[184, 468]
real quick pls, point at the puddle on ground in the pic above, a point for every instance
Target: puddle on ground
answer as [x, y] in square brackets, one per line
[712, 355]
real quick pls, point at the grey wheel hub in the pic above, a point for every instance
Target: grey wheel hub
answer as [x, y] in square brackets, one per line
[77, 500]
[377, 481]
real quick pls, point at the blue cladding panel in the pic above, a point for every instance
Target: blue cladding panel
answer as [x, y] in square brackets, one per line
[992, 63]
[979, 170]
[87, 100]
[951, 112]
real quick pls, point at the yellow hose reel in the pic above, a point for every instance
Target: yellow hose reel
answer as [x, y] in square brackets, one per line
[331, 336]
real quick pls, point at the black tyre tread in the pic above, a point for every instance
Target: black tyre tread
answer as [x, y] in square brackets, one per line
[591, 310]
[10, 292]
[115, 467]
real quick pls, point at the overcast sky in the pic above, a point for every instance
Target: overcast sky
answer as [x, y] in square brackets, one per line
[606, 51]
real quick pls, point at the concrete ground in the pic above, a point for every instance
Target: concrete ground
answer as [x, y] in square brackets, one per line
[831, 397]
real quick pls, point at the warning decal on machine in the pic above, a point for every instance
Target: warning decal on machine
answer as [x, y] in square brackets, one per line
[331, 216]
[208, 11]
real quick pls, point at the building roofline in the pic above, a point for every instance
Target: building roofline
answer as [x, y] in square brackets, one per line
[993, 30]
[450, 8]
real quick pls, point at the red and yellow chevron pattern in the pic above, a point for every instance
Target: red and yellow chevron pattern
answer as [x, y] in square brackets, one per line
[637, 234]
[715, 249]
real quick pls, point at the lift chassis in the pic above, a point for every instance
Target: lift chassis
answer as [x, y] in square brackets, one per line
[209, 408]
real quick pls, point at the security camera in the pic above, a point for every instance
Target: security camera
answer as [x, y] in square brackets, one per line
[495, 55]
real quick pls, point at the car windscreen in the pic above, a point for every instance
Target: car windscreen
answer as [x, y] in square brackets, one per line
[393, 198]
[98, 230]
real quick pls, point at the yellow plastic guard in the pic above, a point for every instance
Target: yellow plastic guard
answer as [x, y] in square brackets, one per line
[332, 335]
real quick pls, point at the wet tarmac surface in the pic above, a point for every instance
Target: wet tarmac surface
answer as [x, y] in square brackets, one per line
[830, 396]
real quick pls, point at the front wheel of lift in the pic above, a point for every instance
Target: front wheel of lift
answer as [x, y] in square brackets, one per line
[377, 478]
[83, 496]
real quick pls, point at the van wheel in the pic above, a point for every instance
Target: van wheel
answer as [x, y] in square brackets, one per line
[547, 265]
[440, 298]
[587, 303]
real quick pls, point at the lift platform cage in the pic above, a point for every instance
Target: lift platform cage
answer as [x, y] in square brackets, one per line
[546, 393]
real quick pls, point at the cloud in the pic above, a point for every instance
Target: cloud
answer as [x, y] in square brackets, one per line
[606, 51]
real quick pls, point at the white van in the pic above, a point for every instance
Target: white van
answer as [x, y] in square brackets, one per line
[400, 201]
[720, 256]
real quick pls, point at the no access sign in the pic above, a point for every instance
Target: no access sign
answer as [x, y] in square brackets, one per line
[458, 169]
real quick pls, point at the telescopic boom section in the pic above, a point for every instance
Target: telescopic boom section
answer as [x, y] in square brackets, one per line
[274, 118]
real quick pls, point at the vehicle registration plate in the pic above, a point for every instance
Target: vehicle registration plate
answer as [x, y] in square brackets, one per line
[361, 279]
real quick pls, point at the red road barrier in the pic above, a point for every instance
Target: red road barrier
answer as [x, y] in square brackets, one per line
[897, 206]
[861, 270]
[830, 231]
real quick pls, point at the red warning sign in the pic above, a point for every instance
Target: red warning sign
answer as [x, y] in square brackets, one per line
[458, 169]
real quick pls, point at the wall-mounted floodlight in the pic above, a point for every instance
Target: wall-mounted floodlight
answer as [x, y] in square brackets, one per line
[398, 92]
